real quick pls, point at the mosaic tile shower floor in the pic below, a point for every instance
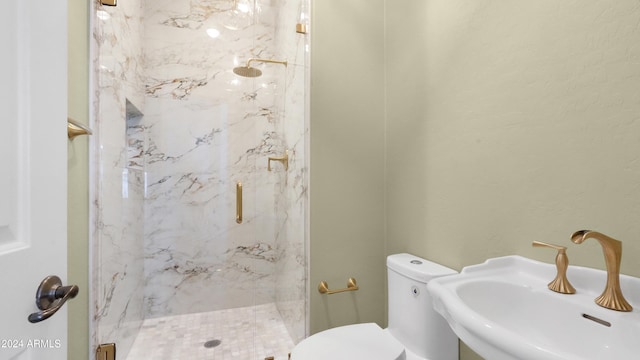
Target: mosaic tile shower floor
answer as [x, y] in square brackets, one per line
[249, 333]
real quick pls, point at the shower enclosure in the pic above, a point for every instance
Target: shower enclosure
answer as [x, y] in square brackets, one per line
[199, 177]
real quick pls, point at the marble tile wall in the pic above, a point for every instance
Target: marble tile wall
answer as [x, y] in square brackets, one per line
[177, 130]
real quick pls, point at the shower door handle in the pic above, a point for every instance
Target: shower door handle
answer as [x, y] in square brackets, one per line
[239, 202]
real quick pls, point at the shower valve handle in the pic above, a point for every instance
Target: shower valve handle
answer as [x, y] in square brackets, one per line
[284, 160]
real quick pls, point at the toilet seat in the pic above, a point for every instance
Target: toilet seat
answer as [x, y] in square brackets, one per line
[361, 341]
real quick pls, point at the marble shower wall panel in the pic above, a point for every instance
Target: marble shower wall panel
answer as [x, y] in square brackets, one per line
[181, 58]
[197, 257]
[119, 296]
[117, 196]
[208, 129]
[290, 209]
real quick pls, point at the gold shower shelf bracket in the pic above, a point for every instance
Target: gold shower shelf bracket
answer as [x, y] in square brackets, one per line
[323, 287]
[74, 129]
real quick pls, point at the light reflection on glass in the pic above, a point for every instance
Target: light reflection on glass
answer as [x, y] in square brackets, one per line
[213, 33]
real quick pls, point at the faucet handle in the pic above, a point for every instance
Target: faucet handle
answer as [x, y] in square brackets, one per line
[552, 246]
[560, 284]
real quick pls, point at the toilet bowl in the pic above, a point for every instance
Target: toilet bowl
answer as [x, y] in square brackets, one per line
[415, 332]
[360, 341]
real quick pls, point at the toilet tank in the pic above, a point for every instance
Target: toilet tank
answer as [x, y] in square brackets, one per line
[412, 319]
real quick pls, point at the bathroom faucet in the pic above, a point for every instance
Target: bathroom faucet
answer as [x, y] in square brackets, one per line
[611, 297]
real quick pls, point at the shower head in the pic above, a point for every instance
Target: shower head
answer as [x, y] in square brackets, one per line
[247, 71]
[251, 72]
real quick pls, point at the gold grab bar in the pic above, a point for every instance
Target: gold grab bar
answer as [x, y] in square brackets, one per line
[284, 160]
[74, 129]
[239, 202]
[323, 287]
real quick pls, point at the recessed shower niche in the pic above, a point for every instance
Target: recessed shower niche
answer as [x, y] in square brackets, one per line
[169, 246]
[135, 137]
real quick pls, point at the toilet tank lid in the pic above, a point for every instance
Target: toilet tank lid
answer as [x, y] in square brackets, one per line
[417, 268]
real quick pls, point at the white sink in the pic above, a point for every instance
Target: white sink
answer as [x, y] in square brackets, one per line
[503, 309]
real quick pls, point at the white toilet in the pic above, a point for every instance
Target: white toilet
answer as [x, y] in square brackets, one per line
[415, 332]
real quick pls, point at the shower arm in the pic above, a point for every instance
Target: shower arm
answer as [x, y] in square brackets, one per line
[266, 61]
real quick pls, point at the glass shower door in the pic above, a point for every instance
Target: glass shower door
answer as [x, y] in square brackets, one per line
[177, 132]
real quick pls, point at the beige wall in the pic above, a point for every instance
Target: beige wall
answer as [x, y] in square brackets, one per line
[506, 122]
[512, 121]
[78, 180]
[347, 161]
[525, 127]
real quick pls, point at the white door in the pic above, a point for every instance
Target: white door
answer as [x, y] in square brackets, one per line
[33, 168]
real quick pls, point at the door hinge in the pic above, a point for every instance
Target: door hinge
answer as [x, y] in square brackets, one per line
[106, 352]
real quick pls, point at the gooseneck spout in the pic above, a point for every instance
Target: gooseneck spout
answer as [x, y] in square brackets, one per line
[611, 297]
